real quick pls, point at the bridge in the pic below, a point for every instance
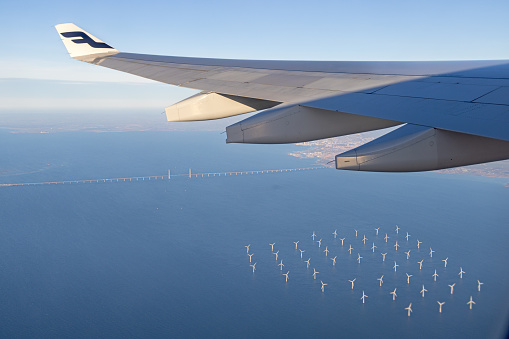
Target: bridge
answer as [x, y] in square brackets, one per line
[168, 177]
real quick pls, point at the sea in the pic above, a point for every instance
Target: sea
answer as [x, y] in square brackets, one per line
[166, 258]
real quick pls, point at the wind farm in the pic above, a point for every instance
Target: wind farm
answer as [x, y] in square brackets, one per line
[310, 271]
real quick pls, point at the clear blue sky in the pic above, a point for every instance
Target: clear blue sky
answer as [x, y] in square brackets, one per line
[305, 30]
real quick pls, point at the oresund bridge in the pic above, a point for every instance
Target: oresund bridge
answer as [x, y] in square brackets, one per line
[168, 177]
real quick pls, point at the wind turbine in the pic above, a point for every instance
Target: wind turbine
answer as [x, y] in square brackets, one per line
[272, 247]
[276, 254]
[407, 254]
[352, 281]
[435, 275]
[296, 242]
[381, 279]
[471, 302]
[364, 239]
[253, 266]
[315, 272]
[281, 265]
[394, 295]
[440, 306]
[420, 264]
[323, 286]
[445, 262]
[286, 275]
[397, 229]
[334, 260]
[342, 240]
[408, 278]
[373, 247]
[359, 258]
[452, 288]
[479, 285]
[326, 251]
[301, 251]
[395, 266]
[355, 232]
[431, 252]
[461, 273]
[397, 245]
[419, 244]
[423, 290]
[407, 236]
[383, 255]
[319, 243]
[386, 237]
[307, 262]
[350, 249]
[364, 296]
[376, 229]
[250, 256]
[335, 233]
[313, 235]
[247, 248]
[409, 309]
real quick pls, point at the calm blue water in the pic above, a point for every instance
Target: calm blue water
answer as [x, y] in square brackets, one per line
[167, 259]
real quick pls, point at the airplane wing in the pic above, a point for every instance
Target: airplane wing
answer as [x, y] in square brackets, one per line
[455, 112]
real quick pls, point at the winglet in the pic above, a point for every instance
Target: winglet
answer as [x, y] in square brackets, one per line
[81, 44]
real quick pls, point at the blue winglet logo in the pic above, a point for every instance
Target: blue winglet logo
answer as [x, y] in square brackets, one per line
[85, 39]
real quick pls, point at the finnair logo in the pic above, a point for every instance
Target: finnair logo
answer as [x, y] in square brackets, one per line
[85, 39]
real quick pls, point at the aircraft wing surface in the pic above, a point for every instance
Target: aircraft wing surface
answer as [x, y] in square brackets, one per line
[460, 102]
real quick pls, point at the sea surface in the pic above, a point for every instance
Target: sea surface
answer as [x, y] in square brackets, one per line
[167, 258]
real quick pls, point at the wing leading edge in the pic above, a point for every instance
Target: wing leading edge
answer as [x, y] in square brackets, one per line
[309, 100]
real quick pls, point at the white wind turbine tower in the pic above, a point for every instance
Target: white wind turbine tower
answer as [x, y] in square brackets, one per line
[326, 251]
[420, 264]
[435, 275]
[323, 286]
[381, 279]
[386, 237]
[301, 251]
[461, 273]
[383, 255]
[342, 240]
[364, 296]
[407, 236]
[286, 275]
[373, 247]
[313, 235]
[272, 246]
[334, 260]
[253, 266]
[394, 295]
[397, 229]
[359, 258]
[395, 266]
[445, 262]
[409, 309]
[364, 239]
[276, 254]
[431, 252]
[408, 278]
[470, 302]
[355, 232]
[307, 262]
[352, 281]
[419, 244]
[407, 254]
[250, 256]
[296, 242]
[319, 243]
[396, 245]
[335, 233]
[247, 248]
[423, 290]
[440, 306]
[281, 265]
[479, 285]
[350, 249]
[452, 288]
[376, 229]
[315, 272]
